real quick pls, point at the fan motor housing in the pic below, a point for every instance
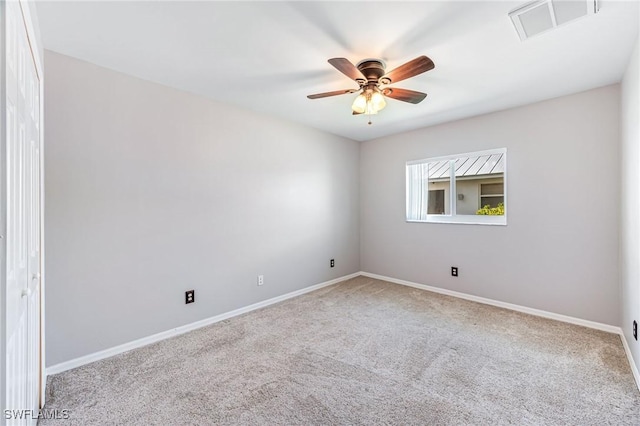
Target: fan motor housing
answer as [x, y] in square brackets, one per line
[372, 69]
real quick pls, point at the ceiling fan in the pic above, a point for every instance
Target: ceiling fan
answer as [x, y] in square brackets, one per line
[373, 82]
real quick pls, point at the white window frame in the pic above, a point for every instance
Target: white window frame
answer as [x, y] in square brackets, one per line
[452, 217]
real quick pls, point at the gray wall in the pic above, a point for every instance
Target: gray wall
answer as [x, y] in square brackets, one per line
[559, 251]
[630, 205]
[151, 191]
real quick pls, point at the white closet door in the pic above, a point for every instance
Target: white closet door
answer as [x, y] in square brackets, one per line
[23, 223]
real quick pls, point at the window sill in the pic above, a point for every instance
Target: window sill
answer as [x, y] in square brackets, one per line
[463, 219]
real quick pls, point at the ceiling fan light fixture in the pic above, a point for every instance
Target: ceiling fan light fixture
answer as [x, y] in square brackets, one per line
[359, 104]
[372, 78]
[368, 102]
[377, 101]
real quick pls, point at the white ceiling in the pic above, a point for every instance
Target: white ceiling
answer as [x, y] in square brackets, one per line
[267, 56]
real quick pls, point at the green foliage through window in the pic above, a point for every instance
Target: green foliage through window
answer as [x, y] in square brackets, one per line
[491, 211]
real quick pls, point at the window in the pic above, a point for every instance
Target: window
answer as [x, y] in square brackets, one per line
[464, 188]
[491, 194]
[435, 204]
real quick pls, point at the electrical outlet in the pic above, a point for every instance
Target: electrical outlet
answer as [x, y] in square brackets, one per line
[635, 330]
[189, 296]
[260, 279]
[454, 271]
[332, 263]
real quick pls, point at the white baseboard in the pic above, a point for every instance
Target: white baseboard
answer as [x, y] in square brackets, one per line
[627, 350]
[511, 306]
[87, 359]
[537, 312]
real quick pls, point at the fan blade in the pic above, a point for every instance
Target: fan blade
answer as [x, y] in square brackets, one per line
[404, 95]
[334, 93]
[347, 68]
[412, 68]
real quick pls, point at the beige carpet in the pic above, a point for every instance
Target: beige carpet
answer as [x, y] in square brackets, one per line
[362, 352]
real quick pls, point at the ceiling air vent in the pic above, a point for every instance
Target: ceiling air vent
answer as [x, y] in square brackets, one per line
[543, 15]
